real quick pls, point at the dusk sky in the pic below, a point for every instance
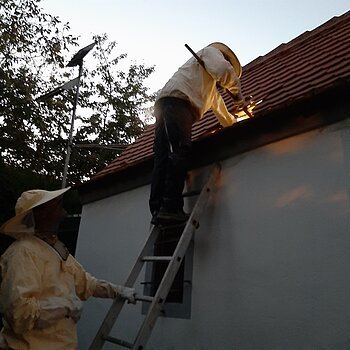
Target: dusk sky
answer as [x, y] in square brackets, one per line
[154, 32]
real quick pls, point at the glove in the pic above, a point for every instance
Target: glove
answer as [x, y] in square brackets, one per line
[49, 317]
[56, 308]
[127, 293]
[238, 105]
[106, 289]
[76, 308]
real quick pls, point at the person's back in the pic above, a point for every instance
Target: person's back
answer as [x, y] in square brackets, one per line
[196, 84]
[42, 285]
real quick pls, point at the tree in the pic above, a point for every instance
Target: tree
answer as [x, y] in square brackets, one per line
[117, 100]
[33, 51]
[30, 43]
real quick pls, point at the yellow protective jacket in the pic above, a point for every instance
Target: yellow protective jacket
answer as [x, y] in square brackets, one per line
[198, 85]
[32, 271]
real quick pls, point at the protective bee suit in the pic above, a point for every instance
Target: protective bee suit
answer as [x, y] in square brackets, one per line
[184, 99]
[197, 85]
[42, 285]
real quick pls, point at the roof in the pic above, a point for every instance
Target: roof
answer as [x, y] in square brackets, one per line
[313, 62]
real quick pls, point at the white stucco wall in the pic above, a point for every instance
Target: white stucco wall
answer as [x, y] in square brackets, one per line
[271, 257]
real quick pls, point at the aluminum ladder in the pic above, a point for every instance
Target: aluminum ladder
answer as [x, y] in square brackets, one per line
[158, 300]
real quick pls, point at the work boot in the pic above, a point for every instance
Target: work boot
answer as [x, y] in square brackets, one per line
[167, 216]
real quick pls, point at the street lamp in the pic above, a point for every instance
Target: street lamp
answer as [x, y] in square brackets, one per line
[77, 60]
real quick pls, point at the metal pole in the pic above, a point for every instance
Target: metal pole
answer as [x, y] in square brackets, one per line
[70, 138]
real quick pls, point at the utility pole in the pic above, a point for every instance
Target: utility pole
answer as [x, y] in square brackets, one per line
[70, 137]
[77, 60]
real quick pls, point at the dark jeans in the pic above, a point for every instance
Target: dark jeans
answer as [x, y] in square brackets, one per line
[172, 151]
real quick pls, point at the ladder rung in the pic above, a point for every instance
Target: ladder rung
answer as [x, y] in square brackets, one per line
[145, 298]
[167, 241]
[119, 342]
[157, 258]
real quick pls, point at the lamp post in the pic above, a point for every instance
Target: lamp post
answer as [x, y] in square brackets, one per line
[70, 137]
[77, 60]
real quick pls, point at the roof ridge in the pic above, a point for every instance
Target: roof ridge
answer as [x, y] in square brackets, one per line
[298, 40]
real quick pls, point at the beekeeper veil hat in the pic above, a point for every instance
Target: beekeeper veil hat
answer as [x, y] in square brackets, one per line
[230, 56]
[23, 221]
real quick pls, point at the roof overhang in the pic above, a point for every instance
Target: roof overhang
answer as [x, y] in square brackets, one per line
[310, 112]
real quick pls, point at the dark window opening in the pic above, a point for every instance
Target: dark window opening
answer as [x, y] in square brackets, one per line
[179, 299]
[165, 246]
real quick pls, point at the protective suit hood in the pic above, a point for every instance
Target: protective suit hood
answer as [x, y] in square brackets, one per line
[23, 221]
[230, 56]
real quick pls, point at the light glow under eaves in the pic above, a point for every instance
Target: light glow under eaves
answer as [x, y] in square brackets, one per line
[241, 115]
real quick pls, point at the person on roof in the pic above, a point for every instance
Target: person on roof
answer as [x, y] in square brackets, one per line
[184, 99]
[42, 285]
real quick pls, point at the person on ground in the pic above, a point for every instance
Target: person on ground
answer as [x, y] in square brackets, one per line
[42, 285]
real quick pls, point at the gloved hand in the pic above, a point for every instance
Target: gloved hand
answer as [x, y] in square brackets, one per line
[106, 289]
[75, 309]
[49, 317]
[127, 293]
[237, 107]
[56, 308]
[243, 109]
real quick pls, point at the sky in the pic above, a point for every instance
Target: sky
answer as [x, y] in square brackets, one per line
[154, 32]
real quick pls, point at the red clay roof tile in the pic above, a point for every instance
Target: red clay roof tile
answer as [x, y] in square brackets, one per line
[314, 60]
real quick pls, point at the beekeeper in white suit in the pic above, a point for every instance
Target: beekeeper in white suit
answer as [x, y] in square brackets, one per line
[42, 285]
[184, 99]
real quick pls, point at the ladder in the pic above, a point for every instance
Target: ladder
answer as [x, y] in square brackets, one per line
[161, 294]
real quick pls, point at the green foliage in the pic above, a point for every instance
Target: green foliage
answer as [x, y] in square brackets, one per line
[31, 50]
[34, 47]
[14, 181]
[117, 100]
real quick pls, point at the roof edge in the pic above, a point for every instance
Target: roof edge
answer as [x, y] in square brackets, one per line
[242, 137]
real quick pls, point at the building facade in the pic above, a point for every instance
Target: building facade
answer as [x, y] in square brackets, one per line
[269, 264]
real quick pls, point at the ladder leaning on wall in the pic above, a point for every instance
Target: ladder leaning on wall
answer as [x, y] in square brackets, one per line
[161, 294]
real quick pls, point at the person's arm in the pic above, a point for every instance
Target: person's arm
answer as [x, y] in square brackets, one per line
[222, 72]
[223, 115]
[87, 285]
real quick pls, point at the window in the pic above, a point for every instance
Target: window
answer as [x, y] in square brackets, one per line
[178, 302]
